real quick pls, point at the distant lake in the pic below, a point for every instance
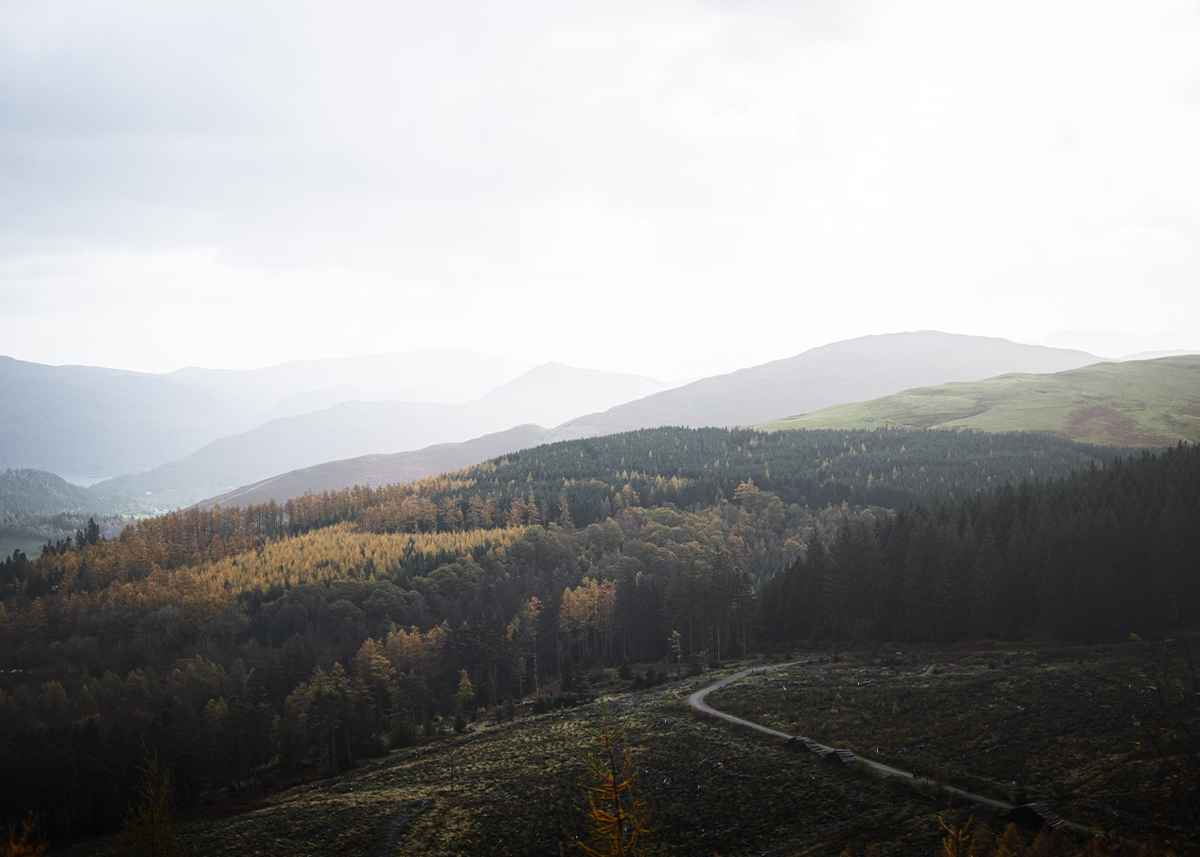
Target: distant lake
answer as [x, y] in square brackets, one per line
[83, 481]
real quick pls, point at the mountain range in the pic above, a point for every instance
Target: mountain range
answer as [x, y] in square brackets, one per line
[281, 431]
[847, 371]
[550, 393]
[842, 372]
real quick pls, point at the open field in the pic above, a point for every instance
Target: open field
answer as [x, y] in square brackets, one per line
[31, 547]
[514, 789]
[1015, 722]
[1139, 403]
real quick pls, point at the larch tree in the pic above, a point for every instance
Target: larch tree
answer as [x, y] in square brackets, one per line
[149, 830]
[614, 809]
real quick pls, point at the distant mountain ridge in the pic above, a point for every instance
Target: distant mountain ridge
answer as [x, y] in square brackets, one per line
[847, 371]
[1150, 403]
[99, 422]
[95, 421]
[377, 470]
[447, 375]
[551, 392]
[37, 492]
[844, 371]
[319, 449]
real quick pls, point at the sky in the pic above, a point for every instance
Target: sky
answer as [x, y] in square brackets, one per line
[675, 188]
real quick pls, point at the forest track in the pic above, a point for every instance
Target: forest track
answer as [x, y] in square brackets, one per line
[696, 700]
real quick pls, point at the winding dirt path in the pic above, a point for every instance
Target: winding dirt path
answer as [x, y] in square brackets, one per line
[696, 700]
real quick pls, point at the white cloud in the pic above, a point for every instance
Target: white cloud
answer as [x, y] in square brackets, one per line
[245, 183]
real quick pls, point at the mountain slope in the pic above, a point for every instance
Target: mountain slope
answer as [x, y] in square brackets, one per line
[38, 492]
[848, 371]
[434, 375]
[844, 371]
[1139, 403]
[552, 392]
[343, 431]
[97, 422]
[376, 470]
[88, 420]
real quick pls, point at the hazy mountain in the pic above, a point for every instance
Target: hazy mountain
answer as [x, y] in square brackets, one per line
[37, 492]
[375, 470]
[551, 392]
[437, 375]
[1141, 403]
[88, 420]
[845, 371]
[347, 429]
[848, 371]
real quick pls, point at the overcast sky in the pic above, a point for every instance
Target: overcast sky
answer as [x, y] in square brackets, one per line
[613, 185]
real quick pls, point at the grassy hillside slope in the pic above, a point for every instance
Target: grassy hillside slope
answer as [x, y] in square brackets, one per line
[1139, 403]
[516, 788]
[848, 371]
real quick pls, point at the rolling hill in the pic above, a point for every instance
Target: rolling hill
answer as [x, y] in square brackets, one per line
[376, 470]
[848, 371]
[94, 422]
[845, 371]
[551, 392]
[86, 420]
[1137, 403]
[434, 375]
[37, 492]
[197, 433]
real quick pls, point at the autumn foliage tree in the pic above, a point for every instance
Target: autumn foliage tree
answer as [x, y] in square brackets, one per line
[614, 809]
[23, 840]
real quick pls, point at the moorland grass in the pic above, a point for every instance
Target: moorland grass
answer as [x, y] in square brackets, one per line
[1017, 722]
[1138, 403]
[515, 788]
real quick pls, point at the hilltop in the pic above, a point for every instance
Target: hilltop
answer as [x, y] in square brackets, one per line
[847, 371]
[1138, 403]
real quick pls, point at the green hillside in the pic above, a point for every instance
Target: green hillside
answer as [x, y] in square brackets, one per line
[1138, 403]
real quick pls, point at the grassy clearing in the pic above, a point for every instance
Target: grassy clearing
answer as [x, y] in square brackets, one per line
[1017, 722]
[515, 789]
[31, 547]
[1051, 724]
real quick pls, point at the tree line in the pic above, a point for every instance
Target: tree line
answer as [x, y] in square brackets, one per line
[1100, 554]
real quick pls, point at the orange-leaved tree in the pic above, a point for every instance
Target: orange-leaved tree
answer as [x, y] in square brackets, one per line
[23, 840]
[615, 809]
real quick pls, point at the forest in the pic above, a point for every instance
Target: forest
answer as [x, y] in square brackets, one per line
[1081, 558]
[253, 647]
